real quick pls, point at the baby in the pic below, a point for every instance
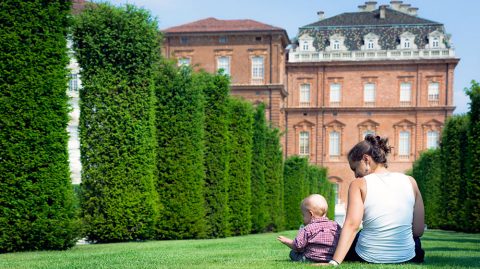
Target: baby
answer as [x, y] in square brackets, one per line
[316, 242]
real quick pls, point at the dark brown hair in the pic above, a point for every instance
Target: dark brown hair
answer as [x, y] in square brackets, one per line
[374, 146]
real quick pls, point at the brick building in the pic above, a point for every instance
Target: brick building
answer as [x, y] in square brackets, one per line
[380, 70]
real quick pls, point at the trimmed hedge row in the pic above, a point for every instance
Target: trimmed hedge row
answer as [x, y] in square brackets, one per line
[117, 48]
[37, 207]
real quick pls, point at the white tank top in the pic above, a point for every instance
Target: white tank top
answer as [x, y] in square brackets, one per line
[387, 220]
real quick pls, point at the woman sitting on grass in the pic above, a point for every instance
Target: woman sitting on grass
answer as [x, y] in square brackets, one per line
[390, 206]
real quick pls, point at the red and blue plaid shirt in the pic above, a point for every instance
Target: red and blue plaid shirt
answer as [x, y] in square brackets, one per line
[318, 240]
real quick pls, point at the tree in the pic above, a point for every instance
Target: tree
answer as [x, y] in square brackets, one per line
[180, 147]
[274, 180]
[117, 49]
[240, 136]
[259, 212]
[426, 171]
[216, 90]
[37, 209]
[295, 181]
[473, 182]
[453, 162]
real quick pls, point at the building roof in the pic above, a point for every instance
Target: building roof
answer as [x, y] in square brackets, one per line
[370, 18]
[215, 25]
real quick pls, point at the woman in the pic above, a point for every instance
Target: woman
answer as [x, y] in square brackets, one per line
[390, 206]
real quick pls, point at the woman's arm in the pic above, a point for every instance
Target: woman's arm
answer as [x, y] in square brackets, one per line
[352, 221]
[418, 224]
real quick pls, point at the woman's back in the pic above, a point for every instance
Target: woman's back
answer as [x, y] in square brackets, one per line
[387, 220]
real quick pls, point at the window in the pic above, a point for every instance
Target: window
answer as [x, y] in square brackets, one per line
[183, 62]
[435, 43]
[404, 144]
[336, 45]
[367, 132]
[405, 93]
[223, 62]
[335, 94]
[304, 94]
[304, 143]
[223, 39]
[183, 40]
[432, 139]
[369, 94]
[305, 45]
[406, 43]
[258, 38]
[257, 69]
[334, 144]
[370, 44]
[73, 83]
[433, 91]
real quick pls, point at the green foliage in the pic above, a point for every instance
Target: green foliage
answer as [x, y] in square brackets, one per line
[180, 140]
[37, 209]
[274, 181]
[216, 92]
[426, 171]
[259, 210]
[321, 185]
[473, 183]
[117, 48]
[295, 181]
[239, 192]
[453, 163]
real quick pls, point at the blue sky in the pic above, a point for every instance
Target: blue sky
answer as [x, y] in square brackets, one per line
[460, 18]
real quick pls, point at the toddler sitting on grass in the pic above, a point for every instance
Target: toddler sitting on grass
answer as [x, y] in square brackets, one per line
[317, 240]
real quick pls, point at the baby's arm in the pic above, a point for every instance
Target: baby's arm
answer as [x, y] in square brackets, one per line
[286, 241]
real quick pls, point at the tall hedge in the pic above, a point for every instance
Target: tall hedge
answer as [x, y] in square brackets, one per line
[180, 140]
[426, 171]
[117, 48]
[295, 181]
[240, 162]
[216, 91]
[473, 183]
[36, 197]
[321, 185]
[259, 211]
[274, 181]
[454, 172]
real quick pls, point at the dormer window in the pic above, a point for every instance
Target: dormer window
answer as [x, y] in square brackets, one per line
[407, 41]
[370, 42]
[306, 43]
[336, 43]
[435, 40]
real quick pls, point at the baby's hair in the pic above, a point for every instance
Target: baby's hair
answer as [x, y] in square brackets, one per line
[315, 203]
[374, 146]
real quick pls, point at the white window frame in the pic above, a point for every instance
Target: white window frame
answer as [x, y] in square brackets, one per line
[305, 90]
[184, 61]
[73, 83]
[404, 144]
[369, 93]
[336, 45]
[433, 91]
[304, 143]
[334, 144]
[335, 94]
[305, 45]
[258, 69]
[433, 139]
[435, 42]
[223, 62]
[370, 44]
[405, 93]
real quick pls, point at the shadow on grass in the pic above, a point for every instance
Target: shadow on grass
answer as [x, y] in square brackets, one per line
[463, 240]
[446, 249]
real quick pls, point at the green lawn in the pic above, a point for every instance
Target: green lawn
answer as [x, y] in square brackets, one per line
[443, 250]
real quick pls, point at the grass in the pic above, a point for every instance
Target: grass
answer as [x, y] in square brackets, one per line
[443, 250]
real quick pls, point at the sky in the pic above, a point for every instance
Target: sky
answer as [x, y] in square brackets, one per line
[460, 18]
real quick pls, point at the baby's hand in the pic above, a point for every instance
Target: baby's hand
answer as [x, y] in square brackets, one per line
[283, 239]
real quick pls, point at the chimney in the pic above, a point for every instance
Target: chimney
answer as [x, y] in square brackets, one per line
[321, 15]
[396, 5]
[362, 8]
[371, 5]
[413, 11]
[383, 10]
[404, 8]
